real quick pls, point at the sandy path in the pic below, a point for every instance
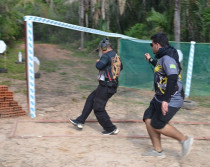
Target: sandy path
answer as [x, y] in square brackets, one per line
[58, 98]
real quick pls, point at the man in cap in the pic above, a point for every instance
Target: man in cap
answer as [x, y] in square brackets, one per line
[108, 83]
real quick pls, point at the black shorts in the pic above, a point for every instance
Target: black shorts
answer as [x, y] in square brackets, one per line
[154, 112]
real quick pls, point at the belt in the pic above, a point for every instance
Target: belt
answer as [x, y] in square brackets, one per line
[108, 84]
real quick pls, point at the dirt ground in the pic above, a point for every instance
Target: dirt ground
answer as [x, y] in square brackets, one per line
[49, 140]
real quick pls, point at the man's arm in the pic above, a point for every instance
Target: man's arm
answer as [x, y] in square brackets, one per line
[152, 61]
[102, 62]
[171, 70]
[149, 59]
[100, 65]
[171, 84]
[172, 80]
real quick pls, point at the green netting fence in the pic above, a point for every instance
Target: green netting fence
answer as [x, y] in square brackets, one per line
[138, 73]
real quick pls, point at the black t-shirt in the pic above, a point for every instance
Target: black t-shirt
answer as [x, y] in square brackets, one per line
[106, 59]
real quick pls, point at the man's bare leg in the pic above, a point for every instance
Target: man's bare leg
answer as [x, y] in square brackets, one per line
[172, 132]
[186, 142]
[168, 130]
[154, 136]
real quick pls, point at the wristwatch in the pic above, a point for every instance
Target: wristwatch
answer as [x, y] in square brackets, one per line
[150, 60]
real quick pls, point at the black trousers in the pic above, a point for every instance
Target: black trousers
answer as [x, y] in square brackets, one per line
[97, 101]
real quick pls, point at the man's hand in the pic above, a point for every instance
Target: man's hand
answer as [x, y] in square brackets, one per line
[147, 56]
[97, 60]
[164, 107]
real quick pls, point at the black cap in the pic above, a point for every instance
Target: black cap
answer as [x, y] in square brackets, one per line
[105, 42]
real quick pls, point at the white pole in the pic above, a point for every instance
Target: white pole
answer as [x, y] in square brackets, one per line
[20, 57]
[30, 64]
[190, 69]
[30, 49]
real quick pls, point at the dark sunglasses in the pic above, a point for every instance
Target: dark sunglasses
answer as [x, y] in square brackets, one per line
[151, 44]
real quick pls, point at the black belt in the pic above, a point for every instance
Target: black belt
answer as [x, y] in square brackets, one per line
[111, 84]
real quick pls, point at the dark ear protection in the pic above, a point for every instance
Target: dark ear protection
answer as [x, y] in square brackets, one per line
[104, 43]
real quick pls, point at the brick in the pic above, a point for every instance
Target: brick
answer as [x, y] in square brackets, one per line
[8, 94]
[1, 99]
[12, 114]
[7, 115]
[2, 93]
[13, 103]
[6, 109]
[20, 112]
[9, 107]
[3, 88]
[17, 108]
[8, 99]
[4, 104]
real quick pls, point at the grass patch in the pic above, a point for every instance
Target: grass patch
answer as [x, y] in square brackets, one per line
[76, 51]
[202, 101]
[63, 73]
[89, 62]
[49, 66]
[85, 53]
[7, 83]
[74, 100]
[69, 63]
[129, 101]
[86, 87]
[80, 78]
[24, 91]
[7, 61]
[84, 97]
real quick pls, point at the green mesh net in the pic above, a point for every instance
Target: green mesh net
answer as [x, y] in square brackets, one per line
[138, 73]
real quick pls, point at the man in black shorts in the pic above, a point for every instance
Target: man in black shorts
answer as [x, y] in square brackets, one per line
[168, 98]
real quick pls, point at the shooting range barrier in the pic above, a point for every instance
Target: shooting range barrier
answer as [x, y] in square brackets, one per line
[136, 73]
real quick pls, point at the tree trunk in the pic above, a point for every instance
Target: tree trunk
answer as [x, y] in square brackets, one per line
[118, 17]
[92, 8]
[86, 19]
[51, 4]
[103, 9]
[86, 13]
[52, 13]
[95, 12]
[177, 21]
[121, 4]
[81, 22]
[108, 15]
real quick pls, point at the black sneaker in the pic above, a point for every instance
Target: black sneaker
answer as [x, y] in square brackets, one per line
[76, 123]
[114, 132]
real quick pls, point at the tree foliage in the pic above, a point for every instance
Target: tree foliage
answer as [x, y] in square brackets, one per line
[138, 31]
[136, 18]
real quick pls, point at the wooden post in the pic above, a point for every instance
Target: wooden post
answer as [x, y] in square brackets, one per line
[118, 46]
[26, 64]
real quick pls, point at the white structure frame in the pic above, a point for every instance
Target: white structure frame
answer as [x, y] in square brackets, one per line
[29, 47]
[29, 50]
